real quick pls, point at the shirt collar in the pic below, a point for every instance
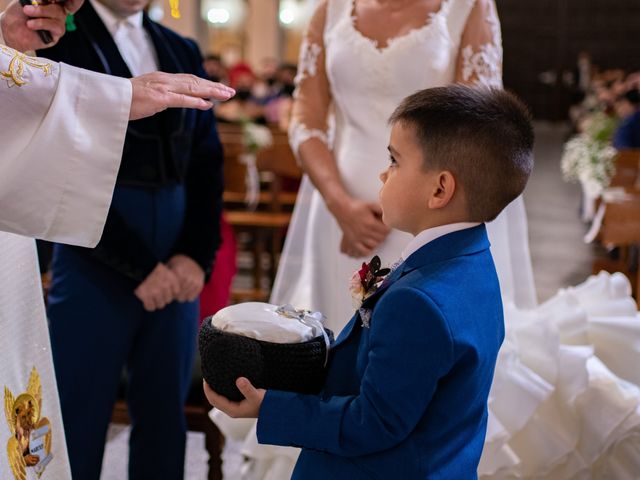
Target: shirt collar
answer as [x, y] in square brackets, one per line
[430, 234]
[111, 21]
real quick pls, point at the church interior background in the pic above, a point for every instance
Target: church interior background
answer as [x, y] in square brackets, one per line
[543, 42]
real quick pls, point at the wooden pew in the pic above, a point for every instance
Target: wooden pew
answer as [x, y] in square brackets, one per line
[621, 228]
[627, 163]
[268, 222]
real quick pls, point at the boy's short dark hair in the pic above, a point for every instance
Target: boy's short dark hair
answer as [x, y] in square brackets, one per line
[483, 136]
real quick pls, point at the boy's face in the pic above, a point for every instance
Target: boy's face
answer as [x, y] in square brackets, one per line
[406, 188]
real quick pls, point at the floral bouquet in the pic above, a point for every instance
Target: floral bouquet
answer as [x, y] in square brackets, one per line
[588, 157]
[254, 137]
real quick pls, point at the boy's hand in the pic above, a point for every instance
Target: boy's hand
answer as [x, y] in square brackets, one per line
[247, 408]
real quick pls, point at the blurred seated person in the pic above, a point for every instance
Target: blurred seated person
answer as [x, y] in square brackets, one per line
[244, 106]
[633, 81]
[627, 107]
[278, 109]
[215, 70]
[216, 293]
[265, 87]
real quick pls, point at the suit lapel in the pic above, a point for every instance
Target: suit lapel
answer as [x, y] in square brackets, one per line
[168, 61]
[369, 303]
[102, 42]
[463, 242]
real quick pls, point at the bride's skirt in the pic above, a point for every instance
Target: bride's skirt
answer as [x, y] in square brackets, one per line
[564, 402]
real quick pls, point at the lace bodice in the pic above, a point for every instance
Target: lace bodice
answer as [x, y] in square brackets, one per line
[339, 66]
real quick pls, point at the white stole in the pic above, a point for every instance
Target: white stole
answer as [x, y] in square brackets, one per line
[61, 138]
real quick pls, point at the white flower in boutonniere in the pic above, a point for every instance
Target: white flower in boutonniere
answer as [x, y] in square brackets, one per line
[364, 283]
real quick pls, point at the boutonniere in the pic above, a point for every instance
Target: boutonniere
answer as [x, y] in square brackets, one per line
[364, 283]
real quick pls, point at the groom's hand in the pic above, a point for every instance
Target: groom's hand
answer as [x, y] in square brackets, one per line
[190, 275]
[159, 289]
[247, 408]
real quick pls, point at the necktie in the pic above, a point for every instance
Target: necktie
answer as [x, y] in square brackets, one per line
[133, 46]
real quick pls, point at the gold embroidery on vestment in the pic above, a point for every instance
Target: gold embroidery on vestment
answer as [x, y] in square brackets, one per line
[17, 64]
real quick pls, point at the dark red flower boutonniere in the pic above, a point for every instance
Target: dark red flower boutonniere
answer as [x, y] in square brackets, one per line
[364, 283]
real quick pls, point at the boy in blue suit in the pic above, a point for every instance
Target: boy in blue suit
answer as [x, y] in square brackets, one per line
[409, 376]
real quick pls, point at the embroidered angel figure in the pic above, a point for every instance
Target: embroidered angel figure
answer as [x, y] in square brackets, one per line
[30, 443]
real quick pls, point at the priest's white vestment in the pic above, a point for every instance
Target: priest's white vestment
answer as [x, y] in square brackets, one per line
[61, 137]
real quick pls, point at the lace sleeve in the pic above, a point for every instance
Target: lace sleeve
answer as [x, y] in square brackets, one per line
[312, 96]
[480, 56]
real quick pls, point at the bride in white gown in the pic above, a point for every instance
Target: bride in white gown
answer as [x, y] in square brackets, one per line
[556, 412]
[362, 82]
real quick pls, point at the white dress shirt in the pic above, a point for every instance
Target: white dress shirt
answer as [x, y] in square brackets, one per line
[430, 234]
[131, 38]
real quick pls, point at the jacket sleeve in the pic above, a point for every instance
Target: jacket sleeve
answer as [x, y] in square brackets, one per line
[121, 249]
[410, 350]
[62, 133]
[200, 237]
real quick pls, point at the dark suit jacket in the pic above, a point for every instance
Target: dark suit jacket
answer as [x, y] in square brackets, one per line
[175, 146]
[627, 134]
[405, 398]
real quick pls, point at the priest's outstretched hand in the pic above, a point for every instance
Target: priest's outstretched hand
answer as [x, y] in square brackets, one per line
[247, 408]
[152, 93]
[157, 91]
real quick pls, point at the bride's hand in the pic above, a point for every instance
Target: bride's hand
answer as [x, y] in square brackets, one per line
[362, 227]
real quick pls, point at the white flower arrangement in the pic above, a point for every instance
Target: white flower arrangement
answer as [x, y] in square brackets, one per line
[589, 162]
[256, 137]
[588, 156]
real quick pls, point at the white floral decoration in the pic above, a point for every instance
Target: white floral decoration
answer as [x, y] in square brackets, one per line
[589, 162]
[256, 137]
[300, 133]
[484, 65]
[308, 63]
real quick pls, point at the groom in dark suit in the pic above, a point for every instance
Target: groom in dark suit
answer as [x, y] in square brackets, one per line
[132, 301]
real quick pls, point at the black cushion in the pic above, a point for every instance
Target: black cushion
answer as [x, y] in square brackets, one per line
[292, 367]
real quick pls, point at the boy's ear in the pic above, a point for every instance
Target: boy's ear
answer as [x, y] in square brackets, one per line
[443, 190]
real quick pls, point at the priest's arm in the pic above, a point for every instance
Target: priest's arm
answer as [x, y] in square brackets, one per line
[62, 131]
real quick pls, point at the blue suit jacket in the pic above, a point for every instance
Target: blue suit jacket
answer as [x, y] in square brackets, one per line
[407, 397]
[627, 134]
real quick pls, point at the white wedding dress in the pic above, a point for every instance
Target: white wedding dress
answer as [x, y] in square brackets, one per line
[363, 84]
[556, 411]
